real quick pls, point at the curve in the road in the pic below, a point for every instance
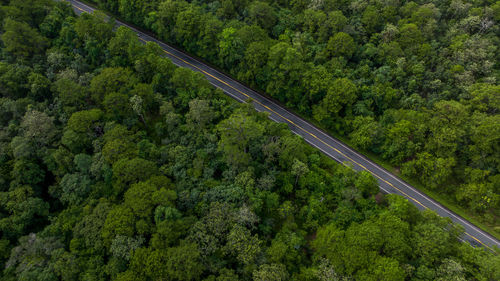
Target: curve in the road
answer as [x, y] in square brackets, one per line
[311, 134]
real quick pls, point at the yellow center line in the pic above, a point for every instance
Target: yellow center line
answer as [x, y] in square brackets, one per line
[313, 135]
[478, 240]
[80, 9]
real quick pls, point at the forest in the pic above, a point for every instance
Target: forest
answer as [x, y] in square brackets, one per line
[117, 165]
[413, 82]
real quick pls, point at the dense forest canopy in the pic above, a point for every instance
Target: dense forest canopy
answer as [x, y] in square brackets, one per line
[414, 82]
[117, 165]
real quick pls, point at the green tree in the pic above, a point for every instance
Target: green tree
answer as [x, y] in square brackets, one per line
[119, 221]
[451, 270]
[188, 85]
[271, 272]
[372, 19]
[200, 113]
[75, 188]
[30, 260]
[236, 134]
[132, 10]
[341, 95]
[405, 137]
[446, 126]
[52, 23]
[244, 246]
[125, 47]
[230, 46]
[384, 269]
[341, 44]
[314, 23]
[27, 172]
[111, 80]
[366, 183]
[177, 263]
[287, 67]
[84, 121]
[432, 239]
[14, 80]
[123, 246]
[478, 191]
[262, 14]
[483, 149]
[22, 40]
[117, 106]
[22, 212]
[255, 60]
[81, 128]
[430, 170]
[130, 171]
[32, 12]
[337, 20]
[119, 144]
[410, 37]
[167, 16]
[299, 169]
[87, 233]
[188, 27]
[38, 127]
[154, 69]
[227, 275]
[70, 93]
[143, 198]
[366, 132]
[208, 42]
[39, 86]
[96, 26]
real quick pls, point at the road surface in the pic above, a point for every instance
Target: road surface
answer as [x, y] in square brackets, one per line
[314, 136]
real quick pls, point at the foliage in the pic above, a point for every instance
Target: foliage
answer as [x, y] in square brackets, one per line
[117, 165]
[425, 73]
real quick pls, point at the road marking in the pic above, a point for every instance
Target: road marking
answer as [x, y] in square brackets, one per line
[477, 240]
[80, 9]
[316, 137]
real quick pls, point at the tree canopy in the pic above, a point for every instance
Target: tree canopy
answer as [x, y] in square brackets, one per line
[403, 64]
[117, 165]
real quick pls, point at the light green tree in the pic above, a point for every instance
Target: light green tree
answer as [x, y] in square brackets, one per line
[341, 44]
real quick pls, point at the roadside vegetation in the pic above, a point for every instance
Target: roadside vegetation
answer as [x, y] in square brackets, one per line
[117, 165]
[415, 83]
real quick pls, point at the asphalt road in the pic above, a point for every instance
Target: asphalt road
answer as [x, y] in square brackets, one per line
[314, 136]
